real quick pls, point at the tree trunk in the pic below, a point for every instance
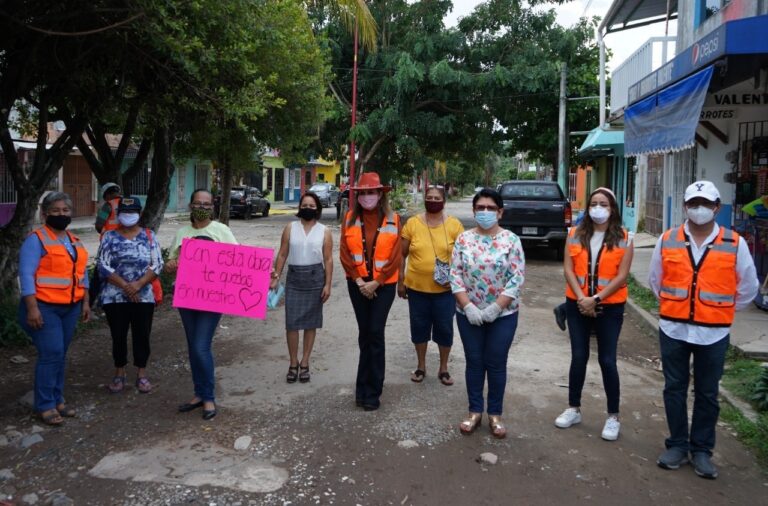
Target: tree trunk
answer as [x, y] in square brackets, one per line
[30, 187]
[226, 187]
[160, 179]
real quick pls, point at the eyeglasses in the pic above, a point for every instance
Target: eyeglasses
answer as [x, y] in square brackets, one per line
[486, 208]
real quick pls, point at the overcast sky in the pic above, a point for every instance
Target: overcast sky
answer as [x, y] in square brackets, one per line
[623, 44]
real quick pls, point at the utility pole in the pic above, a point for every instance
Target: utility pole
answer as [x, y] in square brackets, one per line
[562, 169]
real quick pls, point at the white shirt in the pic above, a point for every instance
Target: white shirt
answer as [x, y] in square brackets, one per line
[746, 290]
[303, 248]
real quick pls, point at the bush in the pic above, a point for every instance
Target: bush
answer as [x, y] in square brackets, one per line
[10, 331]
[760, 392]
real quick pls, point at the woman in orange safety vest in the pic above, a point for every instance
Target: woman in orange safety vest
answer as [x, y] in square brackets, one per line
[371, 254]
[598, 256]
[52, 265]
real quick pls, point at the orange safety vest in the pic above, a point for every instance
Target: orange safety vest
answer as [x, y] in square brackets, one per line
[703, 294]
[60, 279]
[386, 240]
[111, 223]
[606, 268]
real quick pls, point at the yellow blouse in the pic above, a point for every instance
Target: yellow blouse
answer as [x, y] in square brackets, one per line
[425, 242]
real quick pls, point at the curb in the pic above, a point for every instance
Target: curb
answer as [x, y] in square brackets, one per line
[651, 323]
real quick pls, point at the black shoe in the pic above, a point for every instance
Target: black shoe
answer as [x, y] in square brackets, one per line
[560, 316]
[370, 407]
[189, 406]
[209, 414]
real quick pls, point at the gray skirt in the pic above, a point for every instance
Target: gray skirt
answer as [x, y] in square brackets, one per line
[303, 289]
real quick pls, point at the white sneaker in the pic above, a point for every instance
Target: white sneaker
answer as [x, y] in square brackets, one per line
[611, 429]
[570, 416]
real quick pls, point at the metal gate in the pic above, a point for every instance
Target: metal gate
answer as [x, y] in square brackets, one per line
[654, 195]
[683, 174]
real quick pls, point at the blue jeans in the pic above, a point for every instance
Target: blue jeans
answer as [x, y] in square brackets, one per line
[607, 326]
[486, 348]
[371, 315]
[52, 342]
[708, 362]
[431, 315]
[199, 326]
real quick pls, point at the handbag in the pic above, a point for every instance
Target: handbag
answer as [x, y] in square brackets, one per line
[157, 287]
[442, 272]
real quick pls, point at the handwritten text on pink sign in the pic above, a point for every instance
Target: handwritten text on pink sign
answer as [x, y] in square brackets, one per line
[223, 278]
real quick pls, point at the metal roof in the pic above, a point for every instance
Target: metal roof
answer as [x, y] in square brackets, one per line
[626, 14]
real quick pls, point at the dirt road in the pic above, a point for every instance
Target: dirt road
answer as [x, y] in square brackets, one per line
[309, 444]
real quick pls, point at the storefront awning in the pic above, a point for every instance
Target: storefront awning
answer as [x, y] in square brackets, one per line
[666, 121]
[602, 142]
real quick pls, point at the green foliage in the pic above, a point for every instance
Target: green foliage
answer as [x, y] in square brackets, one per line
[760, 391]
[741, 375]
[642, 296]
[753, 434]
[11, 333]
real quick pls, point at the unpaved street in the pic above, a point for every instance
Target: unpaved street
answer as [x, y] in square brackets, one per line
[309, 444]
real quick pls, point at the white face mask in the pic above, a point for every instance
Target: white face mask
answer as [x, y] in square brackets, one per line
[128, 219]
[700, 215]
[599, 214]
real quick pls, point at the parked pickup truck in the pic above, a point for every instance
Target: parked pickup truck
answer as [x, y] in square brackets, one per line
[536, 211]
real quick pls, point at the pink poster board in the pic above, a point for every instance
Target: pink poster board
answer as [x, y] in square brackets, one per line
[223, 278]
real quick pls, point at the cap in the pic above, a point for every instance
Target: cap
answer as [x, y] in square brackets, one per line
[370, 181]
[109, 186]
[704, 189]
[129, 204]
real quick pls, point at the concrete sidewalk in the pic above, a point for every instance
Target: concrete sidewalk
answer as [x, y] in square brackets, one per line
[749, 332]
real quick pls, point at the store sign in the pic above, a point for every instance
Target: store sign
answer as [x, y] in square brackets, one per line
[710, 113]
[740, 98]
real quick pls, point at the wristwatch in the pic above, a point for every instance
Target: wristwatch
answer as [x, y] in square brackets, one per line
[597, 299]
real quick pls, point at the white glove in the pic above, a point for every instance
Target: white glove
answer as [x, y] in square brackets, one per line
[473, 314]
[491, 313]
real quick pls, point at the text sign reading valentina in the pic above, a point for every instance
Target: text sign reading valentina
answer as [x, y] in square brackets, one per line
[223, 278]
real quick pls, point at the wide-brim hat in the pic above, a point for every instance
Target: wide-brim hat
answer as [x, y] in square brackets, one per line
[370, 181]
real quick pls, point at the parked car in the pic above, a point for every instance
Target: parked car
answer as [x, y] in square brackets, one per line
[244, 202]
[537, 211]
[342, 198]
[327, 193]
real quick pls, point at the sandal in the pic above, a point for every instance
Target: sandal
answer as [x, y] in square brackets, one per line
[51, 417]
[117, 385]
[293, 374]
[143, 385]
[66, 411]
[469, 424]
[445, 378]
[304, 374]
[497, 428]
[417, 376]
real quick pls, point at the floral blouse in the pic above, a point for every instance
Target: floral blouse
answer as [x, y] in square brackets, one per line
[130, 259]
[487, 266]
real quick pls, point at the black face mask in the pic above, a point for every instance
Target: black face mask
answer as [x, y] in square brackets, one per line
[306, 213]
[60, 222]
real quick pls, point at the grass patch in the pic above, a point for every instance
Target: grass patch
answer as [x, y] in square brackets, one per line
[753, 435]
[740, 377]
[642, 296]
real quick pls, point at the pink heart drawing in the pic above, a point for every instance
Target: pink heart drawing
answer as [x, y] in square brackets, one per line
[250, 299]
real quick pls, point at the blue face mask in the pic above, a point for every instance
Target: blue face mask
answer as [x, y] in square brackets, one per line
[486, 219]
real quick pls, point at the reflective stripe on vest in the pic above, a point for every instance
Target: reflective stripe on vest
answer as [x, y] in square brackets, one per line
[389, 232]
[607, 268]
[703, 294]
[60, 279]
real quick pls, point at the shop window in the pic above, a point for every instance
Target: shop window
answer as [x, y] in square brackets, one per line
[705, 9]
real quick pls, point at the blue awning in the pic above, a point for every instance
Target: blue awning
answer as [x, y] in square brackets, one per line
[602, 142]
[666, 121]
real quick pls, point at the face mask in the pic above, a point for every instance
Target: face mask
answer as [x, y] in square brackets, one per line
[307, 213]
[60, 222]
[433, 206]
[486, 219]
[200, 214]
[700, 215]
[368, 201]
[599, 214]
[128, 219]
